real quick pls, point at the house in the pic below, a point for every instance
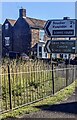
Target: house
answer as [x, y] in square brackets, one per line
[24, 35]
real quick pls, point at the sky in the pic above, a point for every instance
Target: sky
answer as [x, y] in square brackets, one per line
[39, 10]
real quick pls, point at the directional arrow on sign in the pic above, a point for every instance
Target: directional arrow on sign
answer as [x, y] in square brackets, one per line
[47, 46]
[46, 28]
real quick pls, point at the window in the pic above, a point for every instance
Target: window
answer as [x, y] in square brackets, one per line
[6, 26]
[7, 41]
[40, 51]
[41, 35]
[45, 55]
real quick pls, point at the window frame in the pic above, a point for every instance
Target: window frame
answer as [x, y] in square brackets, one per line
[7, 41]
[40, 52]
[41, 35]
[6, 26]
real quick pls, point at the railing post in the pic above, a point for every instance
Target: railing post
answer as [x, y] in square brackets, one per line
[74, 73]
[10, 94]
[53, 78]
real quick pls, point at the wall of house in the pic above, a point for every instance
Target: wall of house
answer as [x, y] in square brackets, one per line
[7, 33]
[35, 37]
[38, 42]
[22, 36]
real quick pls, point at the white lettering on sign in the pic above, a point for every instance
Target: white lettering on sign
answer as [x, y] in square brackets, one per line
[62, 27]
[60, 22]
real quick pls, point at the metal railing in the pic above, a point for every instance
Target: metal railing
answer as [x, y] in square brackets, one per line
[23, 84]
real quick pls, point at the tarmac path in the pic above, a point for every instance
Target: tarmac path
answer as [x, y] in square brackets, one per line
[65, 109]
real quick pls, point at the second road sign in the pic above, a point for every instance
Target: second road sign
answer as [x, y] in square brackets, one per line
[61, 46]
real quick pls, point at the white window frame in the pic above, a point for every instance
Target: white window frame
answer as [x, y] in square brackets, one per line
[7, 41]
[40, 52]
[41, 37]
[6, 26]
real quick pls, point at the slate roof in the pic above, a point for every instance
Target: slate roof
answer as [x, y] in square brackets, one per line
[34, 23]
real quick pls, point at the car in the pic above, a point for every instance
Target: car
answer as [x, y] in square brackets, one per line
[24, 56]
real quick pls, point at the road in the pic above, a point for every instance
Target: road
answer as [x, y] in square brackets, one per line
[65, 109]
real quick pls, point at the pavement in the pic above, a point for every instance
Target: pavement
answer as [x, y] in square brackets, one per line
[65, 109]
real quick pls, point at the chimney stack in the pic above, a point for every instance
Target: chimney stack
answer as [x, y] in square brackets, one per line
[22, 12]
[66, 18]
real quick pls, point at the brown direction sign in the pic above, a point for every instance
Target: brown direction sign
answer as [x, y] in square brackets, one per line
[61, 46]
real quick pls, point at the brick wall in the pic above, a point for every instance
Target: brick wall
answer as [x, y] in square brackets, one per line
[35, 36]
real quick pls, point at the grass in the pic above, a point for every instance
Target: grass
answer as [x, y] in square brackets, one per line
[28, 86]
[58, 97]
[33, 82]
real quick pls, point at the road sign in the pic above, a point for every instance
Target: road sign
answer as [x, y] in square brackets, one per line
[60, 28]
[61, 46]
[47, 46]
[46, 28]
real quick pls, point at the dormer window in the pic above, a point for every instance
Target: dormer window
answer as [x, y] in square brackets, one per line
[6, 26]
[7, 41]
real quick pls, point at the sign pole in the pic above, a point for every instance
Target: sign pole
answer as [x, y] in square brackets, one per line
[69, 54]
[51, 53]
[52, 72]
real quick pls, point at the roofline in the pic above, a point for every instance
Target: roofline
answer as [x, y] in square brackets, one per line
[37, 27]
[29, 18]
[10, 19]
[37, 19]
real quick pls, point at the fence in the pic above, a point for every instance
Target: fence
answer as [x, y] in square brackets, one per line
[24, 83]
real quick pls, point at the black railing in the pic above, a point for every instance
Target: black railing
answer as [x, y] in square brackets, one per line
[24, 83]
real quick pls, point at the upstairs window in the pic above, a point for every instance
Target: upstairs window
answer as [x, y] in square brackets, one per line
[41, 35]
[6, 26]
[7, 41]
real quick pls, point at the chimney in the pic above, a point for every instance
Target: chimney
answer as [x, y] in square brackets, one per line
[66, 18]
[22, 12]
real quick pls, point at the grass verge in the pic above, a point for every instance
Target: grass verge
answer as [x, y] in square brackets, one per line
[58, 97]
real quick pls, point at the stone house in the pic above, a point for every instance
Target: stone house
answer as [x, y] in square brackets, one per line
[24, 35]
